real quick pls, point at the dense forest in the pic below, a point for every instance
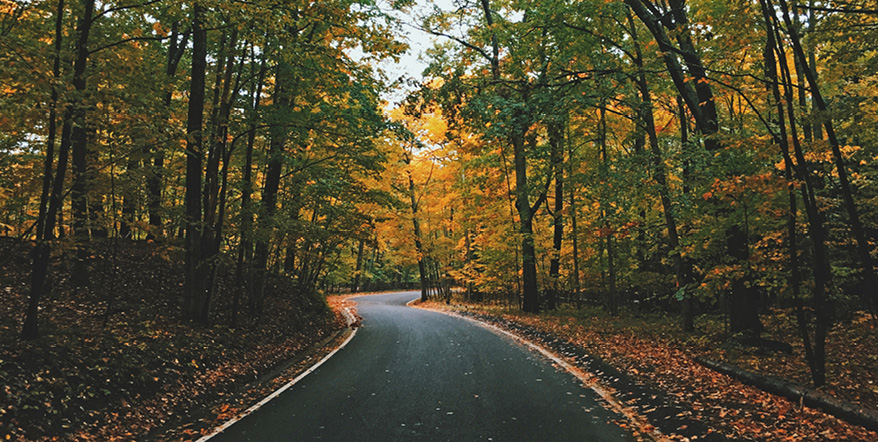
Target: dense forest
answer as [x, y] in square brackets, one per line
[700, 157]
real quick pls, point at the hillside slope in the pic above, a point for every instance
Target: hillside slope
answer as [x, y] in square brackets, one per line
[115, 361]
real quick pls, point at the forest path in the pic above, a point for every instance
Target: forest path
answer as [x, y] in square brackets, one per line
[411, 374]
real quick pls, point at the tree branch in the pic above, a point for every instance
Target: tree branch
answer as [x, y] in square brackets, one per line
[121, 8]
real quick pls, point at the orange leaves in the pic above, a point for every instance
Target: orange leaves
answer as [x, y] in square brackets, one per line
[159, 29]
[712, 405]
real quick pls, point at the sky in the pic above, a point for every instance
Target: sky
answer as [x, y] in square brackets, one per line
[410, 64]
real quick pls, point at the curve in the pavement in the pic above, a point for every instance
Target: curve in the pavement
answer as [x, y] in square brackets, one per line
[412, 374]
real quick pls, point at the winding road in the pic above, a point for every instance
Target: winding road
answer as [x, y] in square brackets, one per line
[411, 374]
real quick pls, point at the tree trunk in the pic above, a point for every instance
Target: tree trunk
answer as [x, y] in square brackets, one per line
[870, 279]
[816, 356]
[661, 177]
[155, 177]
[556, 139]
[48, 205]
[129, 199]
[743, 300]
[530, 293]
[419, 248]
[612, 297]
[355, 285]
[245, 248]
[574, 236]
[270, 191]
[79, 148]
[194, 266]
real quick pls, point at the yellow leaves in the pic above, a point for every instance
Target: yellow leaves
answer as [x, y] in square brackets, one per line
[159, 29]
[435, 83]
[847, 151]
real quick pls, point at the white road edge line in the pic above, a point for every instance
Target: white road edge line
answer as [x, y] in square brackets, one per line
[580, 374]
[350, 320]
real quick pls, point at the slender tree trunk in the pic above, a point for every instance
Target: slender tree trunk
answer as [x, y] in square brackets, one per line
[355, 285]
[556, 139]
[419, 247]
[79, 148]
[194, 266]
[129, 202]
[816, 356]
[530, 290]
[870, 281]
[574, 236]
[612, 296]
[155, 176]
[52, 123]
[270, 190]
[215, 193]
[245, 249]
[48, 202]
[661, 177]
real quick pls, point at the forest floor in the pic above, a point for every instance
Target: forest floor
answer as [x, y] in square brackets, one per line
[644, 357]
[115, 362]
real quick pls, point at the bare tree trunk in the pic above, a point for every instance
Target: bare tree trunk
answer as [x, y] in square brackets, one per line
[270, 191]
[530, 291]
[661, 177]
[79, 148]
[194, 265]
[419, 247]
[556, 139]
[355, 285]
[862, 244]
[155, 177]
[816, 356]
[612, 297]
[49, 203]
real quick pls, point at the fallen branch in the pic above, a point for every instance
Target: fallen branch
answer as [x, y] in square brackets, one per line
[848, 411]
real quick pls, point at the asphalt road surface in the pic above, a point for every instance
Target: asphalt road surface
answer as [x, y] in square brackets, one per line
[415, 375]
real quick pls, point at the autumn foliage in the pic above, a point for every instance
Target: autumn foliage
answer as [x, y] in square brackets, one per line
[707, 161]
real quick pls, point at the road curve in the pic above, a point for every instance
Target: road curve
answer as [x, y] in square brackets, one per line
[412, 374]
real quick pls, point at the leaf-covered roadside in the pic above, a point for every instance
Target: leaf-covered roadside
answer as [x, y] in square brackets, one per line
[652, 354]
[145, 372]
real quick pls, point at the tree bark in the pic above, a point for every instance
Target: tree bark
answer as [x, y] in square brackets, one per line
[660, 175]
[79, 148]
[270, 191]
[416, 225]
[194, 266]
[556, 139]
[355, 284]
[49, 203]
[815, 356]
[156, 175]
[530, 291]
[870, 279]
